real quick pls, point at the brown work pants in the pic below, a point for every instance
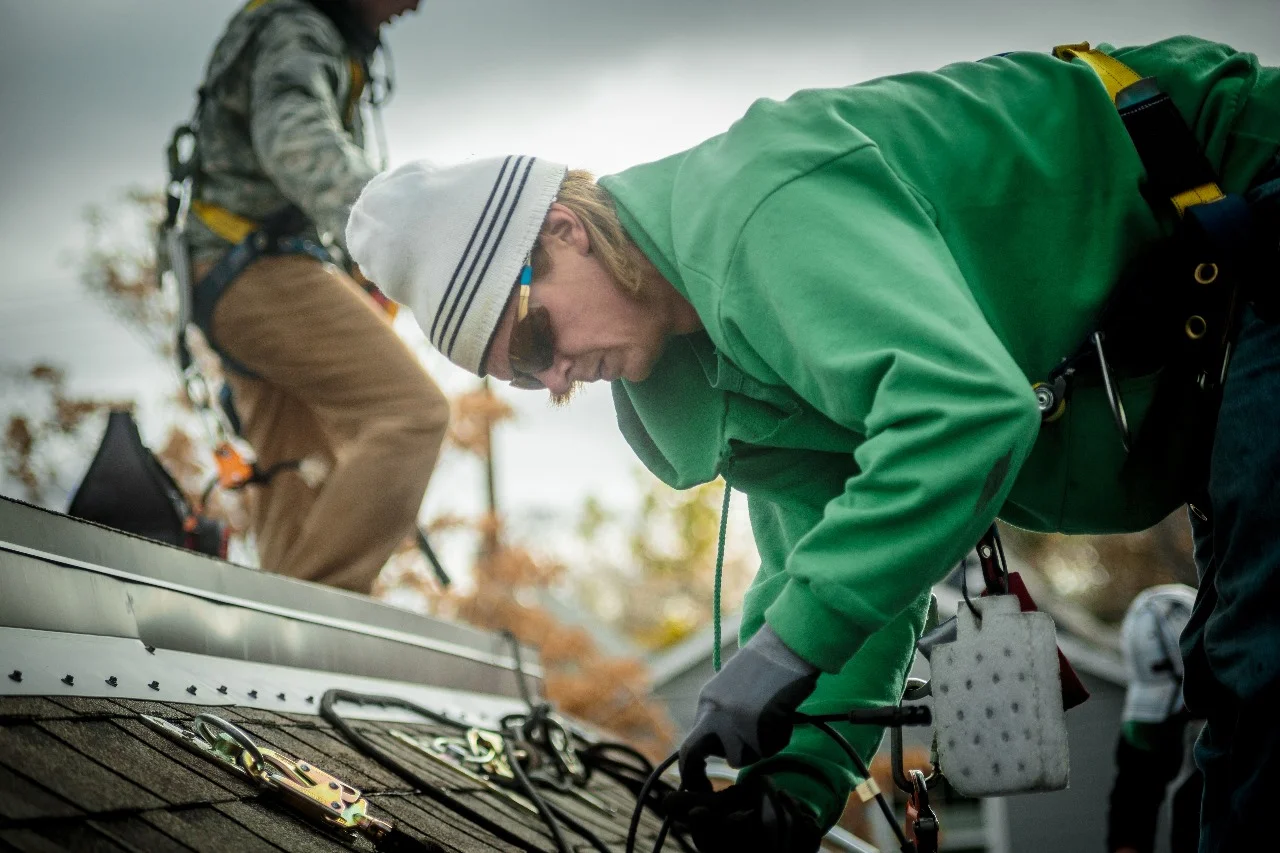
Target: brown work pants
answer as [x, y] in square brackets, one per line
[335, 384]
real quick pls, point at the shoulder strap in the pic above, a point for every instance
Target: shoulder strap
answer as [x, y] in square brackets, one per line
[1176, 167]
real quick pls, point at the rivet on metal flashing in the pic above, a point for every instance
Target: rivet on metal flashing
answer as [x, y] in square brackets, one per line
[223, 690]
[253, 694]
[310, 699]
[16, 675]
[68, 680]
[113, 681]
[155, 685]
[192, 690]
[280, 696]
[151, 650]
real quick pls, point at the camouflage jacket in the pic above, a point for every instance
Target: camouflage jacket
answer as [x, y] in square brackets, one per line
[280, 123]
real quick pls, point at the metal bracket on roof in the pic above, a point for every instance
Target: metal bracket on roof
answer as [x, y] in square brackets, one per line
[319, 795]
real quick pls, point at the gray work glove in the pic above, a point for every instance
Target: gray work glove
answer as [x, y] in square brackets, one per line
[745, 710]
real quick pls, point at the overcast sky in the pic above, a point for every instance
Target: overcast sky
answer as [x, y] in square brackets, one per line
[90, 89]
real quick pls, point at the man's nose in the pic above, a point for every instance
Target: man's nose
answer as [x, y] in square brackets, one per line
[556, 377]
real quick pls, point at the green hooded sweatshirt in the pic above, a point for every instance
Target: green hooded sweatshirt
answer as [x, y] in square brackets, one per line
[882, 272]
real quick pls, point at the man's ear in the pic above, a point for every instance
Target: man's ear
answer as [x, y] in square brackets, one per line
[563, 226]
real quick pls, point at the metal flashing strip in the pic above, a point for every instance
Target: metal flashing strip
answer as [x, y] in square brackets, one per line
[49, 531]
[52, 663]
[443, 646]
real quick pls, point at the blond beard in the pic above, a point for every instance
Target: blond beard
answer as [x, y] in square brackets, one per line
[560, 400]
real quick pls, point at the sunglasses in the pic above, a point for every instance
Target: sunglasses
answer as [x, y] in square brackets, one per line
[532, 347]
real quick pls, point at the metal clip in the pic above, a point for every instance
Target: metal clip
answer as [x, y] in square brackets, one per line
[548, 731]
[922, 823]
[442, 751]
[304, 786]
[916, 688]
[1113, 392]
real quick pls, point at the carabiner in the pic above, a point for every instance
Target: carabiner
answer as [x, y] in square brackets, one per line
[916, 688]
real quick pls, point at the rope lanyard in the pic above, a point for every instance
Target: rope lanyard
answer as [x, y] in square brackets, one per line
[715, 595]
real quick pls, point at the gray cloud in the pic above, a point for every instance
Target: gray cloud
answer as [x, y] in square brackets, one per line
[90, 90]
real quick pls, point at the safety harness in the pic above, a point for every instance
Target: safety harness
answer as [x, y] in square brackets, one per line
[1184, 326]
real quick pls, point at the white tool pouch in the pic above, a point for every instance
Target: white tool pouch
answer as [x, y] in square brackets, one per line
[997, 702]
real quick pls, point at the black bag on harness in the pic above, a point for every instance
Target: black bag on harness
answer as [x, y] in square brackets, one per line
[127, 488]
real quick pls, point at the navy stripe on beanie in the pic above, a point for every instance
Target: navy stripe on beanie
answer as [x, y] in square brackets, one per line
[462, 259]
[475, 288]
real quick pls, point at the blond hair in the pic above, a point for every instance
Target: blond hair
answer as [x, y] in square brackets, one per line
[592, 204]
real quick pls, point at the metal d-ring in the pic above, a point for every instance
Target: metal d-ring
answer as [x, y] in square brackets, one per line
[917, 688]
[1113, 392]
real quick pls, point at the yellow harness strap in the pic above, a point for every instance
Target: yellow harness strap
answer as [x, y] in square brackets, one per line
[1116, 76]
[231, 227]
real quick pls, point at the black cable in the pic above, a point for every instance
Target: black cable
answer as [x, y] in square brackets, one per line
[366, 746]
[595, 750]
[522, 680]
[427, 551]
[549, 812]
[894, 716]
[890, 716]
[633, 777]
[662, 834]
[533, 795]
[861, 767]
[644, 793]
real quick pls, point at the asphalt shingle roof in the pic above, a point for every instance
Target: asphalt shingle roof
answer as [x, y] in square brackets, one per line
[87, 774]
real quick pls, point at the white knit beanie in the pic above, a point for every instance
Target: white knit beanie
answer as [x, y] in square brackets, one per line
[449, 242]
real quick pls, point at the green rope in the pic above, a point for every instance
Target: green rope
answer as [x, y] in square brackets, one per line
[715, 597]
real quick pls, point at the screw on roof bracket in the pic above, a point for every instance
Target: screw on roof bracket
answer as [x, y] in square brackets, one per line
[253, 694]
[151, 650]
[155, 685]
[68, 680]
[16, 675]
[223, 690]
[113, 681]
[192, 690]
[280, 696]
[310, 699]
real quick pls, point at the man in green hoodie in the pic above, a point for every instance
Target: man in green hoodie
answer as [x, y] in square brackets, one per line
[841, 306]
